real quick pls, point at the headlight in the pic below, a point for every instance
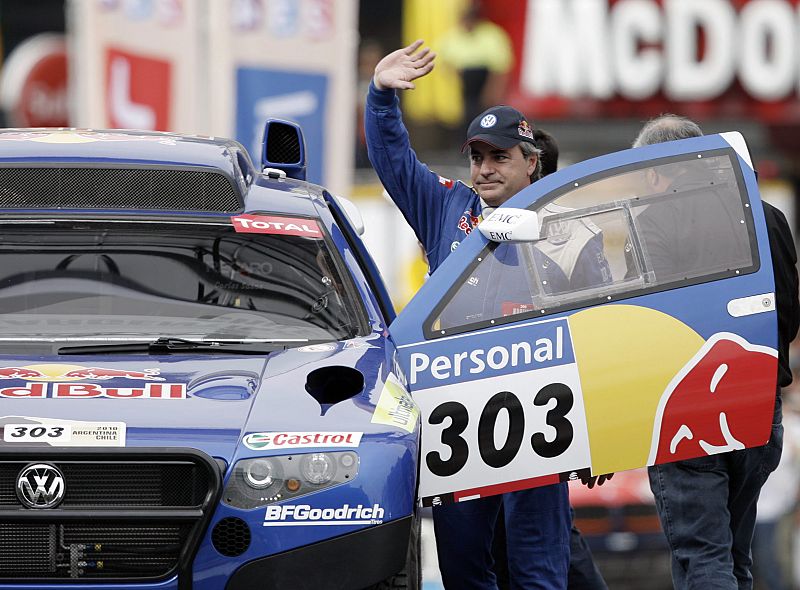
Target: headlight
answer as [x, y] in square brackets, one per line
[260, 474]
[264, 480]
[318, 468]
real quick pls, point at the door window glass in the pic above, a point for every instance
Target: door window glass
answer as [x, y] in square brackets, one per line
[653, 226]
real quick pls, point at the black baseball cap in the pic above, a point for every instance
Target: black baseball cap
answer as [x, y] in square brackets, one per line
[501, 126]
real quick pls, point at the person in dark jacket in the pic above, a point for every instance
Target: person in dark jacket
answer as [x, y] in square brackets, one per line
[707, 506]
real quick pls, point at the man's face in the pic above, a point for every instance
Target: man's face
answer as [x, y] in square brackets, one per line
[499, 174]
[658, 183]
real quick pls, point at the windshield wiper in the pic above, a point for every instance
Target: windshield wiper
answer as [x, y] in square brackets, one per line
[175, 345]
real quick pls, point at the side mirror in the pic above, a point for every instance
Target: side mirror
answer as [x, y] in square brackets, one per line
[352, 212]
[507, 224]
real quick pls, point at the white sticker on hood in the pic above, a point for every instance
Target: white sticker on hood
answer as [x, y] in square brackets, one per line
[318, 348]
[258, 441]
[62, 433]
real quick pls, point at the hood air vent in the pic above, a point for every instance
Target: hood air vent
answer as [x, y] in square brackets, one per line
[117, 188]
[334, 384]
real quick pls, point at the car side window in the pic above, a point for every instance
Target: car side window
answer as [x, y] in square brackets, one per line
[644, 228]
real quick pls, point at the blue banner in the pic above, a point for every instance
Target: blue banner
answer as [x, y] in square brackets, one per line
[472, 356]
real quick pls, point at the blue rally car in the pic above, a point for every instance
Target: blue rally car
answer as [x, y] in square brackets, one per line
[200, 388]
[195, 378]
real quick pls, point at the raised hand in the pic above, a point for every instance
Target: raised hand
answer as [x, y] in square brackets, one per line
[399, 68]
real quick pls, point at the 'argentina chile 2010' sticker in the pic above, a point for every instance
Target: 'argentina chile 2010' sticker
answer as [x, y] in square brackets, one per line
[502, 409]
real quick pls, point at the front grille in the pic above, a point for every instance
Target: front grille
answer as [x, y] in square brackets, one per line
[231, 536]
[116, 485]
[117, 188]
[127, 515]
[86, 551]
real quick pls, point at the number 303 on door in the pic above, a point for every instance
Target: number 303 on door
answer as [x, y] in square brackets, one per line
[492, 456]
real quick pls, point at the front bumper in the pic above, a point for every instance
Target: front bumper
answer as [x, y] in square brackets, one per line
[349, 562]
[355, 560]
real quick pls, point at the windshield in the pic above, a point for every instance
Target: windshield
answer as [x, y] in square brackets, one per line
[78, 280]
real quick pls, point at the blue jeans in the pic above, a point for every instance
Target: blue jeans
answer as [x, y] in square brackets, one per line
[583, 572]
[537, 532]
[707, 508]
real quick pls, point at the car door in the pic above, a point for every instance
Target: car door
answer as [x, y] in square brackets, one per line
[637, 327]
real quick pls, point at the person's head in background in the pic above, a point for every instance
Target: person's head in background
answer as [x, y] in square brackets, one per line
[548, 152]
[472, 15]
[370, 53]
[667, 127]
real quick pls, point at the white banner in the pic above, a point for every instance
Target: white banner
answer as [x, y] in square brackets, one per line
[221, 67]
[501, 430]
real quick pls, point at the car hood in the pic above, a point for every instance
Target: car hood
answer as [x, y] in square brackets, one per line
[199, 401]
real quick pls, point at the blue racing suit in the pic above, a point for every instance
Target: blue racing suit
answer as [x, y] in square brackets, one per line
[443, 212]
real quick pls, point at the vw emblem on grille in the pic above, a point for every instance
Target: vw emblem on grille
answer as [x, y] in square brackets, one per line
[40, 486]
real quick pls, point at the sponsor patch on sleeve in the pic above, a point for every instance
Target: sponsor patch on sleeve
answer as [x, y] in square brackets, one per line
[267, 224]
[446, 182]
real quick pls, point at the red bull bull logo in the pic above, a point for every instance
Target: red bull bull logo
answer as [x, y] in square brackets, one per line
[58, 372]
[62, 381]
[19, 373]
[99, 373]
[680, 396]
[737, 383]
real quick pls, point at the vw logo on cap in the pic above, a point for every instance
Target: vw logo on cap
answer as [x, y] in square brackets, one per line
[40, 486]
[488, 121]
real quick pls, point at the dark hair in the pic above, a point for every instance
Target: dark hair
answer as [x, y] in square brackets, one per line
[548, 151]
